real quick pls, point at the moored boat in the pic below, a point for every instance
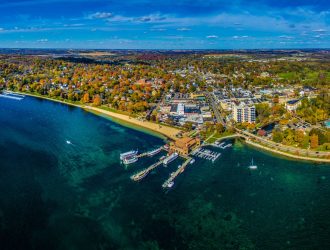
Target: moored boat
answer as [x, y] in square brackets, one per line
[127, 154]
[170, 158]
[154, 152]
[130, 159]
[170, 184]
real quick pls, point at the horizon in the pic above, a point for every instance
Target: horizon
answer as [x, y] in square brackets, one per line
[183, 49]
[170, 25]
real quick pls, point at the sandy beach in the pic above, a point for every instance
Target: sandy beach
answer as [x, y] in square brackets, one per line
[164, 130]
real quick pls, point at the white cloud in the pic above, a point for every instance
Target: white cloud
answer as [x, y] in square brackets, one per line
[286, 37]
[183, 29]
[320, 30]
[100, 15]
[44, 40]
[212, 37]
[240, 37]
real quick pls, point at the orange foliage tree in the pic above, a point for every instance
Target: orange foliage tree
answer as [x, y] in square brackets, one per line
[314, 141]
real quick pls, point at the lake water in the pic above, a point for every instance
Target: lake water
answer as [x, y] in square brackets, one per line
[55, 195]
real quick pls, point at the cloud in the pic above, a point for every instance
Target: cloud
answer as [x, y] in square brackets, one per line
[286, 37]
[320, 30]
[150, 18]
[100, 15]
[240, 37]
[183, 29]
[44, 40]
[212, 37]
[74, 25]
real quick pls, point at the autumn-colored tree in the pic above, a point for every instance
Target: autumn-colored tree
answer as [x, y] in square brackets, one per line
[314, 141]
[97, 101]
[220, 128]
[85, 98]
[299, 136]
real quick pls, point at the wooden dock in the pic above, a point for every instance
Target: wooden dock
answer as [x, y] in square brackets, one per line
[147, 153]
[140, 175]
[174, 174]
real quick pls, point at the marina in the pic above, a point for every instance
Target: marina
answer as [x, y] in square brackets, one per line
[206, 154]
[221, 145]
[200, 152]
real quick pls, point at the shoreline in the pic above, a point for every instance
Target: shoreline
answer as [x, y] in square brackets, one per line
[302, 158]
[276, 152]
[145, 126]
[163, 130]
[166, 131]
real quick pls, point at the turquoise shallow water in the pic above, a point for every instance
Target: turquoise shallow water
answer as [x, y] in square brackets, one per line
[55, 195]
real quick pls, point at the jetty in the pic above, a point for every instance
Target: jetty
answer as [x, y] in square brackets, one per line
[173, 175]
[151, 153]
[140, 175]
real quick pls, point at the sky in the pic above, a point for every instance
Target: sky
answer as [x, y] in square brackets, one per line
[166, 24]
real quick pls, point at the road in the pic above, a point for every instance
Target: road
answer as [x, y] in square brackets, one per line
[215, 108]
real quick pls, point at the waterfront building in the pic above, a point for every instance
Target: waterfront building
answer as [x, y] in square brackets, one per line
[184, 145]
[244, 113]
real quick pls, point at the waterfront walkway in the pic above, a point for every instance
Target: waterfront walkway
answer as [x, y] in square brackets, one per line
[298, 153]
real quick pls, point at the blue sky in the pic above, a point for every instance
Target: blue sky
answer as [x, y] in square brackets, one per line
[171, 24]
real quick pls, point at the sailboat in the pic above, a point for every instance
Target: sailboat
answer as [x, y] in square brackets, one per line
[252, 166]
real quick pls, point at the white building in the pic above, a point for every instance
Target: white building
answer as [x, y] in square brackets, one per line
[292, 105]
[180, 109]
[244, 113]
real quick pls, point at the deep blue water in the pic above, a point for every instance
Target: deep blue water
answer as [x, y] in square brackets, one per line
[55, 195]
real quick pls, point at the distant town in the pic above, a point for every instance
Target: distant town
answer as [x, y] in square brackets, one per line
[274, 99]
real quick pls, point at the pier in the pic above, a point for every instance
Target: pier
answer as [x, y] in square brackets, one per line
[174, 174]
[140, 175]
[150, 153]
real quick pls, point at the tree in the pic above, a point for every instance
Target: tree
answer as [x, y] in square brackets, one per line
[85, 98]
[263, 111]
[314, 141]
[220, 128]
[299, 136]
[97, 101]
[277, 136]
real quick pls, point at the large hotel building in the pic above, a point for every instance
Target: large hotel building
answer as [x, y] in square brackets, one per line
[244, 113]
